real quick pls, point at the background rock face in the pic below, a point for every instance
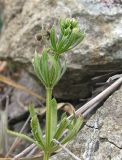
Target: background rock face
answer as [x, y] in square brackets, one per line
[99, 53]
[104, 142]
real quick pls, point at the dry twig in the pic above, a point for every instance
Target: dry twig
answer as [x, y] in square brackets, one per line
[24, 152]
[100, 97]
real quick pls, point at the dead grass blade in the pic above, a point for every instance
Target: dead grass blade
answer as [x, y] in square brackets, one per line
[19, 86]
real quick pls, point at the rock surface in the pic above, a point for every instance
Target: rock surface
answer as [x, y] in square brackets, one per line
[101, 137]
[99, 53]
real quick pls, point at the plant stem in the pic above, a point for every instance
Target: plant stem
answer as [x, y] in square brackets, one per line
[46, 156]
[48, 116]
[56, 56]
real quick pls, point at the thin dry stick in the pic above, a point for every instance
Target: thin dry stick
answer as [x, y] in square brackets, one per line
[66, 149]
[31, 152]
[24, 152]
[99, 97]
[17, 139]
[89, 110]
[88, 107]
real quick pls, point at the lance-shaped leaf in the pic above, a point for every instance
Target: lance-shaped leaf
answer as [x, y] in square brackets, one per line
[78, 41]
[73, 132]
[38, 67]
[72, 121]
[21, 135]
[36, 129]
[61, 128]
[61, 43]
[62, 68]
[44, 63]
[54, 71]
[53, 38]
[71, 39]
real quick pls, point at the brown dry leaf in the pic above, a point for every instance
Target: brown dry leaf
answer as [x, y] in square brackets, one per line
[19, 86]
[67, 107]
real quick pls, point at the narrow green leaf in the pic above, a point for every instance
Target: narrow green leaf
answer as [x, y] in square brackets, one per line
[62, 126]
[53, 38]
[56, 69]
[63, 69]
[61, 25]
[60, 129]
[37, 67]
[73, 132]
[78, 41]
[45, 67]
[35, 126]
[63, 116]
[69, 43]
[53, 74]
[22, 136]
[61, 43]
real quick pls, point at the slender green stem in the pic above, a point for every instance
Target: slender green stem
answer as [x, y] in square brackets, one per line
[48, 116]
[46, 156]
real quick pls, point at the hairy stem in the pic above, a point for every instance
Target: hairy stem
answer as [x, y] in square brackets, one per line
[48, 116]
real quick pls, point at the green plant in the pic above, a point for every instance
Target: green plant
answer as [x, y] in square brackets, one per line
[49, 68]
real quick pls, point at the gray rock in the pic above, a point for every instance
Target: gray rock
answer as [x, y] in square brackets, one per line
[104, 142]
[99, 53]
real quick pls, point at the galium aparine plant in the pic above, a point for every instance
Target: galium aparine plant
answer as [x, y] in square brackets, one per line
[49, 68]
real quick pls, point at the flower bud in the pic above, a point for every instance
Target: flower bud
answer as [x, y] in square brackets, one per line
[67, 23]
[76, 31]
[67, 31]
[74, 23]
